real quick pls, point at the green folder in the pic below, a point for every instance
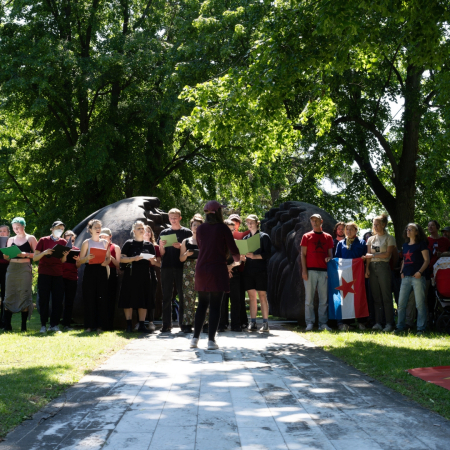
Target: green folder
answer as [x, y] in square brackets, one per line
[12, 251]
[248, 245]
[169, 238]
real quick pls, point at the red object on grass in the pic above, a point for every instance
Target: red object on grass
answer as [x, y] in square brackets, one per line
[437, 375]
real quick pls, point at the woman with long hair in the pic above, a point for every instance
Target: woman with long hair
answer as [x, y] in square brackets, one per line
[18, 295]
[189, 255]
[379, 251]
[214, 240]
[137, 291]
[95, 279]
[416, 258]
[114, 267]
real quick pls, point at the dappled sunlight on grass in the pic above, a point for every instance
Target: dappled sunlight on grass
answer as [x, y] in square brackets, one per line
[36, 368]
[386, 357]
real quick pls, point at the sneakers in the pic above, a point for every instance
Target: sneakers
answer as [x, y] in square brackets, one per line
[377, 327]
[166, 330]
[194, 343]
[221, 329]
[388, 328]
[324, 327]
[43, 329]
[309, 327]
[265, 327]
[252, 326]
[212, 345]
[420, 332]
[129, 329]
[66, 328]
[151, 327]
[55, 329]
[361, 326]
[136, 327]
[343, 327]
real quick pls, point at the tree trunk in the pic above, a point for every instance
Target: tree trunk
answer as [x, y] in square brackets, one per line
[406, 182]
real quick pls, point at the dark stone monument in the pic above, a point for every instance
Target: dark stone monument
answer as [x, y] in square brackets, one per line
[286, 225]
[119, 217]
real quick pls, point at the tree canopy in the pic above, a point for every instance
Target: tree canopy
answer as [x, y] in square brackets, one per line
[341, 104]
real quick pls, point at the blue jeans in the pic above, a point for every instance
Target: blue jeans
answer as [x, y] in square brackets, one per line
[418, 284]
[316, 279]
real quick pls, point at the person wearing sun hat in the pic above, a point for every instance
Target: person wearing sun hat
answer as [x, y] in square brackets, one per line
[214, 240]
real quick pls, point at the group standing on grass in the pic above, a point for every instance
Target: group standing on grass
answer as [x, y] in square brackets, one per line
[203, 261]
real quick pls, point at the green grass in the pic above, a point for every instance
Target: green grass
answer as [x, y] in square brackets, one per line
[35, 368]
[385, 357]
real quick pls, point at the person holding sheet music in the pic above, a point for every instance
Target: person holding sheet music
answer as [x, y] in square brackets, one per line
[50, 279]
[172, 267]
[4, 235]
[137, 291]
[70, 278]
[96, 256]
[255, 273]
[189, 255]
[18, 293]
[114, 267]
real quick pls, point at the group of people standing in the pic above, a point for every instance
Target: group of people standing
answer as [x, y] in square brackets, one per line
[202, 260]
[412, 264]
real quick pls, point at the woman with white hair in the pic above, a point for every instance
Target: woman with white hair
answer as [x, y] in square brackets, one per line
[136, 291]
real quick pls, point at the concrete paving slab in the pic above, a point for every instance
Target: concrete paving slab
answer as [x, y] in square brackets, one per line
[271, 391]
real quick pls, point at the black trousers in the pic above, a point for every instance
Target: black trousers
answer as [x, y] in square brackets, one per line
[234, 296]
[3, 269]
[214, 301]
[70, 291]
[111, 297]
[243, 312]
[54, 287]
[169, 276]
[95, 287]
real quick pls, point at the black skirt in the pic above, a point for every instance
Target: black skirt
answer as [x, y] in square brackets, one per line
[137, 290]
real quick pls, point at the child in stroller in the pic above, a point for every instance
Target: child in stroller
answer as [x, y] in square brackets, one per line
[441, 272]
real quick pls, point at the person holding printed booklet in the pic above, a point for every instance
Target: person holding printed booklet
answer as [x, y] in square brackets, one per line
[136, 291]
[169, 242]
[255, 272]
[18, 295]
[96, 256]
[50, 278]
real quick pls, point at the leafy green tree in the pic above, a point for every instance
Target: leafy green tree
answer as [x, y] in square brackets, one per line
[330, 71]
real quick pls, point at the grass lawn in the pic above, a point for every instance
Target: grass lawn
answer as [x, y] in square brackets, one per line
[35, 368]
[385, 357]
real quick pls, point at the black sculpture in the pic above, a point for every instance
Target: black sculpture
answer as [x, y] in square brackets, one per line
[286, 225]
[119, 217]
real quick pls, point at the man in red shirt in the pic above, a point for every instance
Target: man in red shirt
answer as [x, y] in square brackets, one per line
[316, 246]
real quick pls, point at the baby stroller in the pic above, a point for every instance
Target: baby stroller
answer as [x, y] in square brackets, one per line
[441, 272]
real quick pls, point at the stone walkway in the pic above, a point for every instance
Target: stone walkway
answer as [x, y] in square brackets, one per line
[259, 391]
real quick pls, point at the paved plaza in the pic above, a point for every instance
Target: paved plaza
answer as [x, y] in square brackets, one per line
[259, 391]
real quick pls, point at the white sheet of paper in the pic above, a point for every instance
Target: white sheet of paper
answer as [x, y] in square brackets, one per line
[147, 255]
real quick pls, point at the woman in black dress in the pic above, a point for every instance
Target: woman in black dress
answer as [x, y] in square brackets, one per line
[136, 291]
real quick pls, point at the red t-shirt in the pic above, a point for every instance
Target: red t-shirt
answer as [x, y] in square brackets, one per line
[441, 244]
[317, 246]
[49, 265]
[70, 270]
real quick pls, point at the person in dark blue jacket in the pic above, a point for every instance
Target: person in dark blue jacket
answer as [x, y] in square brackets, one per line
[350, 248]
[255, 274]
